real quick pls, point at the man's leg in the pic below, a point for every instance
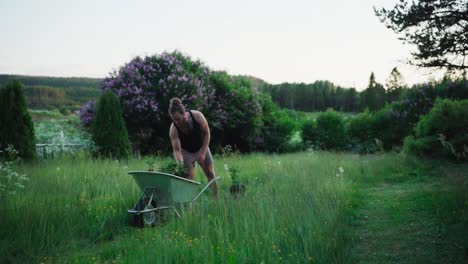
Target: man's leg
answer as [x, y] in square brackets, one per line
[189, 164]
[210, 174]
[208, 169]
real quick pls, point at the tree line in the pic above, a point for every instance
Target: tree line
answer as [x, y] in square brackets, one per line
[321, 95]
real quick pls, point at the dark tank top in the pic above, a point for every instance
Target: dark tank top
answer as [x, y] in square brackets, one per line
[193, 141]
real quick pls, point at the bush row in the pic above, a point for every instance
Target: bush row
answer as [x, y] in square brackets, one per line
[441, 133]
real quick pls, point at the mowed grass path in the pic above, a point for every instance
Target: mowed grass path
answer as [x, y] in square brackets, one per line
[417, 217]
[298, 208]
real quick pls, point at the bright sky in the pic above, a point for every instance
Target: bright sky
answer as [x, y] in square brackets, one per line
[278, 41]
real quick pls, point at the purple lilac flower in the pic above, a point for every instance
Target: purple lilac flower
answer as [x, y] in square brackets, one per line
[87, 113]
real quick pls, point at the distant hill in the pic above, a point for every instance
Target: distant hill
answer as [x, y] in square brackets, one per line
[56, 92]
[256, 82]
[44, 92]
[58, 82]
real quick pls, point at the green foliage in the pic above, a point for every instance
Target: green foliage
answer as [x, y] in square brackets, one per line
[10, 180]
[16, 127]
[68, 94]
[397, 120]
[308, 130]
[389, 128]
[173, 167]
[394, 85]
[317, 96]
[295, 209]
[330, 131]
[57, 82]
[49, 131]
[360, 131]
[63, 98]
[239, 121]
[443, 132]
[436, 28]
[109, 131]
[374, 96]
[277, 128]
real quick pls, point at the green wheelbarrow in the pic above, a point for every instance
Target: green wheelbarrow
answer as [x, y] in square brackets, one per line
[162, 191]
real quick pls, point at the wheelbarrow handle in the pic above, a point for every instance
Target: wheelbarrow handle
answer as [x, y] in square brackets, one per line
[203, 190]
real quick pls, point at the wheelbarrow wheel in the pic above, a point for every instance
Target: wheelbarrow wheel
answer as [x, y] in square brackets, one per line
[148, 219]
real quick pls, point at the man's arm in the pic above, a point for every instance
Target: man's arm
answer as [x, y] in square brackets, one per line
[205, 132]
[175, 144]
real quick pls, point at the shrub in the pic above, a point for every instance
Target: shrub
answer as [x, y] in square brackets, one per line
[308, 131]
[277, 131]
[443, 133]
[146, 85]
[10, 180]
[87, 113]
[276, 128]
[361, 134]
[109, 131]
[235, 119]
[330, 132]
[395, 122]
[16, 127]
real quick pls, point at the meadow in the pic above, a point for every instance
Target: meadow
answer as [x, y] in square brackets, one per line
[309, 207]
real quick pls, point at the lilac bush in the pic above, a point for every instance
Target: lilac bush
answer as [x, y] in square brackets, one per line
[87, 113]
[146, 85]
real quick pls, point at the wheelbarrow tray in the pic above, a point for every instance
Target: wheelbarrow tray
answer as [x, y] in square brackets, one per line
[162, 191]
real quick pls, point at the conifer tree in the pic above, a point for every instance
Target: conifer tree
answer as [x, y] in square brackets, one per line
[394, 85]
[109, 131]
[16, 126]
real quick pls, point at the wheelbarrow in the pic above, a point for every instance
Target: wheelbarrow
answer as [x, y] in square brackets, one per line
[160, 192]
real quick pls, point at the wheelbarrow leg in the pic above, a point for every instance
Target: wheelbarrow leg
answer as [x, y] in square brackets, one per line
[203, 190]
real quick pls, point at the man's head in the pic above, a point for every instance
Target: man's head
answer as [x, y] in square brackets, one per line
[177, 110]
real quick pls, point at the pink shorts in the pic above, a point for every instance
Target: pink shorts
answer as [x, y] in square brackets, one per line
[190, 158]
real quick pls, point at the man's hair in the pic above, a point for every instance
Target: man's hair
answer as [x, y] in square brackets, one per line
[176, 106]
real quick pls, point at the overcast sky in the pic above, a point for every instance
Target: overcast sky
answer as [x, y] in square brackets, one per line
[277, 41]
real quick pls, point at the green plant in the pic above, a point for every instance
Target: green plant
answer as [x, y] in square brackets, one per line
[448, 118]
[463, 153]
[308, 131]
[330, 131]
[10, 180]
[109, 131]
[150, 162]
[234, 173]
[16, 127]
[173, 167]
[361, 134]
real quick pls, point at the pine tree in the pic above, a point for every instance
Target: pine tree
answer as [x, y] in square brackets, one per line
[16, 126]
[109, 131]
[374, 95]
[438, 30]
[395, 85]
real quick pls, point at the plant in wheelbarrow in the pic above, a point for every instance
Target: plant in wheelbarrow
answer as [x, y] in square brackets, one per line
[150, 162]
[173, 167]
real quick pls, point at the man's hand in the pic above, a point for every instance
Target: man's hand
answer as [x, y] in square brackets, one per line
[201, 157]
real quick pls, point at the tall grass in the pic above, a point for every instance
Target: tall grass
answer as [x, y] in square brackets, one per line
[297, 208]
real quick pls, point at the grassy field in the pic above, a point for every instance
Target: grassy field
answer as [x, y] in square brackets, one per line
[298, 208]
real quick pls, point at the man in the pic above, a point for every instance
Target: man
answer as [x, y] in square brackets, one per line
[190, 137]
